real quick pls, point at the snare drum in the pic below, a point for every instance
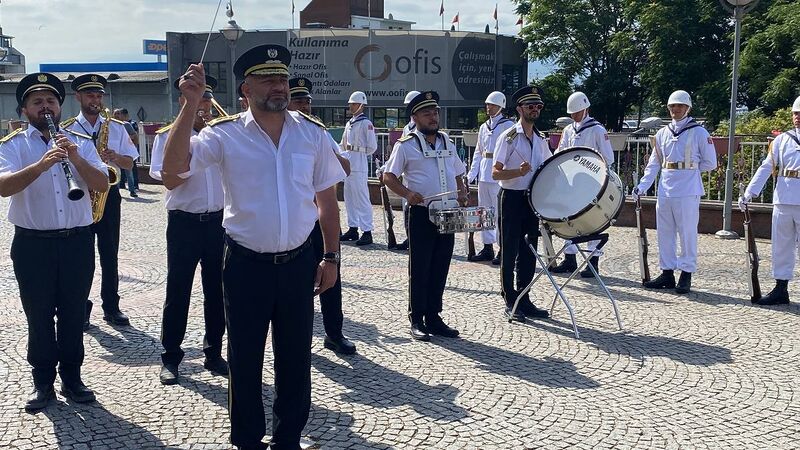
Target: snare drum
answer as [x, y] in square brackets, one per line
[464, 220]
[575, 193]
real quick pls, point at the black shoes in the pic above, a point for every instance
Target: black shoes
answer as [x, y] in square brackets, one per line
[487, 254]
[116, 318]
[86, 324]
[587, 272]
[684, 283]
[217, 366]
[419, 332]
[531, 311]
[351, 235]
[340, 345]
[496, 260]
[365, 239]
[39, 398]
[402, 246]
[77, 392]
[517, 316]
[777, 296]
[169, 374]
[436, 326]
[568, 265]
[664, 281]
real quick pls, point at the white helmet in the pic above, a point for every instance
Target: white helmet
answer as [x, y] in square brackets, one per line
[496, 98]
[680, 98]
[577, 102]
[796, 105]
[358, 97]
[410, 96]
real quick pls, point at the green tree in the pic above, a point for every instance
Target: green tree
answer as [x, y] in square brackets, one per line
[556, 89]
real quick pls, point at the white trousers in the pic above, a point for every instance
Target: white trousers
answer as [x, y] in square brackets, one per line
[592, 245]
[677, 217]
[356, 201]
[487, 196]
[785, 236]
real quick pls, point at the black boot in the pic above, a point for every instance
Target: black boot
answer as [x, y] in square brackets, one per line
[365, 239]
[568, 265]
[496, 260]
[777, 296]
[39, 398]
[664, 281]
[402, 246]
[86, 323]
[351, 235]
[487, 254]
[684, 283]
[587, 272]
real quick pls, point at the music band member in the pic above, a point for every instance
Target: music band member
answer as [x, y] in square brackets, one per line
[783, 160]
[584, 131]
[330, 300]
[358, 142]
[53, 248]
[483, 163]
[429, 164]
[274, 165]
[683, 150]
[120, 152]
[194, 236]
[410, 126]
[519, 149]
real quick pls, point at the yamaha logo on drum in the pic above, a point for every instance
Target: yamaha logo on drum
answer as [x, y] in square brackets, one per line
[585, 162]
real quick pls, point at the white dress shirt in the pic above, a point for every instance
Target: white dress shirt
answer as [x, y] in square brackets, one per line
[511, 154]
[784, 155]
[588, 133]
[358, 141]
[200, 193]
[269, 190]
[118, 138]
[487, 143]
[421, 174]
[673, 143]
[43, 204]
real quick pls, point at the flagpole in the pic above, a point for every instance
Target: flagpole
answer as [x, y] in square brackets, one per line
[293, 14]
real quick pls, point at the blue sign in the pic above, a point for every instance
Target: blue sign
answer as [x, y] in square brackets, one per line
[104, 67]
[154, 47]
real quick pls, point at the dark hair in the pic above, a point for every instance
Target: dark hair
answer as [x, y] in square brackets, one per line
[124, 111]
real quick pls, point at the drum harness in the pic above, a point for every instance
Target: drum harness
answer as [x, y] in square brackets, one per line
[429, 151]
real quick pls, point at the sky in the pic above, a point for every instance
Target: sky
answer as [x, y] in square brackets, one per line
[49, 31]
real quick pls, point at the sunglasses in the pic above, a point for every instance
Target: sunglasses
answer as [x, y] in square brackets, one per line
[532, 106]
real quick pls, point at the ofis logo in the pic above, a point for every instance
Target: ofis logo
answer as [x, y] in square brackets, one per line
[420, 63]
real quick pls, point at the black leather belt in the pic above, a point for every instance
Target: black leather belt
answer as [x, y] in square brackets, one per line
[273, 258]
[51, 234]
[200, 217]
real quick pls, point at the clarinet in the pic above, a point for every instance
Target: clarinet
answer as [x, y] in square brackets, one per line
[75, 193]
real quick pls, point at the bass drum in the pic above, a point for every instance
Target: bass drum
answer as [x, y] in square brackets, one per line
[575, 193]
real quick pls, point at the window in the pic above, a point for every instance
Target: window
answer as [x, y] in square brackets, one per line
[462, 118]
[218, 70]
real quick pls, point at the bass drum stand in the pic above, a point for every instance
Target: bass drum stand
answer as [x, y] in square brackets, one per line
[546, 261]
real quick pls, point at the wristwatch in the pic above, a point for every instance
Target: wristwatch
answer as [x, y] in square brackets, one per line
[332, 257]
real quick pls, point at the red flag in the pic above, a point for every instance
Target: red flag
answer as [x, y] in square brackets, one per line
[441, 9]
[455, 18]
[519, 22]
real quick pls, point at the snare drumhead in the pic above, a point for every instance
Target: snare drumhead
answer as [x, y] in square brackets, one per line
[567, 183]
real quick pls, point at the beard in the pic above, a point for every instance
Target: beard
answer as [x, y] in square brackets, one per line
[270, 105]
[429, 130]
[40, 123]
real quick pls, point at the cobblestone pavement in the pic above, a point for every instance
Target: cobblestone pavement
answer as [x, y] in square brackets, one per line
[706, 370]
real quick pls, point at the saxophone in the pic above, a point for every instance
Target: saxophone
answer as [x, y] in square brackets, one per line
[99, 198]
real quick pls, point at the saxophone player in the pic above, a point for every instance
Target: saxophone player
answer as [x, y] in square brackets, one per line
[118, 151]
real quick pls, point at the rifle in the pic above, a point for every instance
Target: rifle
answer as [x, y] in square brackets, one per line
[644, 268]
[388, 216]
[471, 234]
[752, 255]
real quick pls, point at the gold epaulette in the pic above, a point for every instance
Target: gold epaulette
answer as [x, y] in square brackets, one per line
[117, 121]
[11, 135]
[405, 138]
[165, 128]
[75, 133]
[511, 135]
[67, 122]
[312, 119]
[223, 119]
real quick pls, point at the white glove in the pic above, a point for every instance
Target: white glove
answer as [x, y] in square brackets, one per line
[635, 194]
[744, 200]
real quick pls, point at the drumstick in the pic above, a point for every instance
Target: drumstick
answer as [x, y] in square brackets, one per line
[424, 199]
[208, 38]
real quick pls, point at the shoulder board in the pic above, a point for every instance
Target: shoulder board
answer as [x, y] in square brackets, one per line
[223, 119]
[405, 138]
[80, 135]
[165, 128]
[511, 135]
[67, 122]
[116, 120]
[11, 135]
[312, 119]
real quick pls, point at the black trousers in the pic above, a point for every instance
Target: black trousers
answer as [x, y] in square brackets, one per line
[429, 256]
[54, 277]
[330, 300]
[516, 220]
[258, 292]
[193, 239]
[107, 231]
